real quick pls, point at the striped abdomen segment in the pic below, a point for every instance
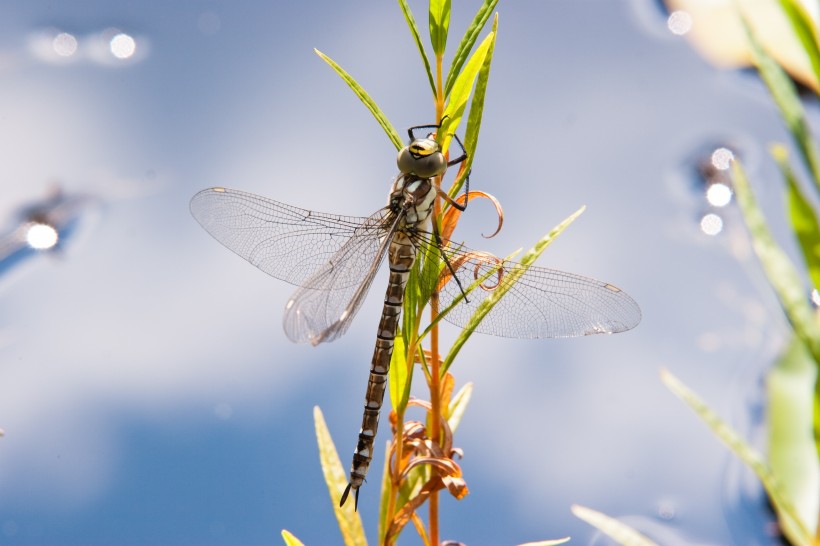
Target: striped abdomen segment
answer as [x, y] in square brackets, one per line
[402, 256]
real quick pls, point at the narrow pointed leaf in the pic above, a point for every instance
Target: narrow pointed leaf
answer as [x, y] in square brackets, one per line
[791, 524]
[289, 539]
[467, 42]
[780, 271]
[460, 93]
[804, 29]
[476, 111]
[387, 490]
[458, 405]
[510, 279]
[371, 105]
[792, 450]
[785, 96]
[400, 376]
[619, 532]
[350, 524]
[477, 105]
[412, 485]
[802, 217]
[414, 30]
[439, 25]
[413, 302]
[555, 542]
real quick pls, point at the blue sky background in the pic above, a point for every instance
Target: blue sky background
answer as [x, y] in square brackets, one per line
[147, 391]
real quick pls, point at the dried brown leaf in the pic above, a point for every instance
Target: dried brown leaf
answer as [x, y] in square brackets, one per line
[450, 219]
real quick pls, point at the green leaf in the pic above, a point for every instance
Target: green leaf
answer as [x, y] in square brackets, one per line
[792, 449]
[619, 532]
[429, 275]
[414, 30]
[458, 405]
[803, 28]
[785, 96]
[791, 524]
[817, 416]
[400, 375]
[510, 279]
[803, 220]
[410, 303]
[371, 105]
[477, 105]
[476, 113]
[439, 25]
[350, 524]
[780, 271]
[384, 501]
[289, 539]
[413, 482]
[468, 41]
[457, 101]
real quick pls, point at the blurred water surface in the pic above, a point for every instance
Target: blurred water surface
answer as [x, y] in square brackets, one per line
[147, 391]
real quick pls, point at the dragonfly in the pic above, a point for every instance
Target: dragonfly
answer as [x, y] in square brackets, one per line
[333, 260]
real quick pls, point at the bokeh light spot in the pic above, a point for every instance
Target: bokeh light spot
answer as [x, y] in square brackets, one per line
[722, 158]
[64, 44]
[667, 510]
[719, 194]
[711, 224]
[41, 236]
[679, 22]
[123, 46]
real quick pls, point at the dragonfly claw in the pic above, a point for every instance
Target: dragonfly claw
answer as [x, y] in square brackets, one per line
[355, 498]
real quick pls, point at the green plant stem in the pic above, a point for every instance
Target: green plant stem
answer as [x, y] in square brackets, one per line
[435, 364]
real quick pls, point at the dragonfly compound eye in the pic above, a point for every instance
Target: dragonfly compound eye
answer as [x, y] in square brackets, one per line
[422, 158]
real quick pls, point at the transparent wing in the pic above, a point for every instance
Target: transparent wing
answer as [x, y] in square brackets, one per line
[286, 242]
[543, 303]
[323, 308]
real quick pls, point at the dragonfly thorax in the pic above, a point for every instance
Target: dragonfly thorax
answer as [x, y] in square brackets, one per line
[414, 197]
[422, 158]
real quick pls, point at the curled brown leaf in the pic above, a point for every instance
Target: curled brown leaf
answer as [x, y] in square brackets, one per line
[451, 216]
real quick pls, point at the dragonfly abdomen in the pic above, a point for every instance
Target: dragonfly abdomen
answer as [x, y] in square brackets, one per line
[402, 256]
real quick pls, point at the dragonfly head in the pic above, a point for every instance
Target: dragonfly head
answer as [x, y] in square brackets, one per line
[422, 158]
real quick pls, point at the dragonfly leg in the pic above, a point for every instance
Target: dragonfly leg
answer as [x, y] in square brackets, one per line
[437, 238]
[463, 155]
[411, 130]
[452, 202]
